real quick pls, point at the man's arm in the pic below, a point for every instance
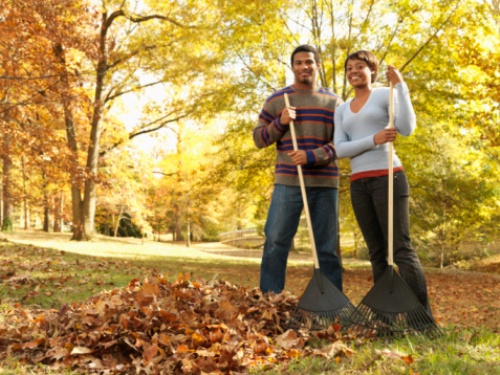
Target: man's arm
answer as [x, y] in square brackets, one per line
[270, 128]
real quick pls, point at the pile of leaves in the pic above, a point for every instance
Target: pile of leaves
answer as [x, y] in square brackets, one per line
[159, 327]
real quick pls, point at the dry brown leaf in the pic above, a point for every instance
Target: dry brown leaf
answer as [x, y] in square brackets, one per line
[408, 359]
[57, 353]
[290, 340]
[394, 354]
[183, 349]
[149, 353]
[33, 344]
[335, 349]
[228, 307]
[81, 350]
[197, 339]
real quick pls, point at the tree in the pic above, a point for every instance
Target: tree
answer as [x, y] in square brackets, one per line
[29, 78]
[122, 49]
[128, 52]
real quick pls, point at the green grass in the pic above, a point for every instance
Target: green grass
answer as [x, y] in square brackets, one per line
[47, 278]
[12, 367]
[457, 352]
[44, 278]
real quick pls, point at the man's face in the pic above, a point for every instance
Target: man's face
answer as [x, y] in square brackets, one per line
[305, 68]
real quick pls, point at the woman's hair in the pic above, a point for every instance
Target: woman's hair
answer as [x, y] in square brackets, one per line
[369, 58]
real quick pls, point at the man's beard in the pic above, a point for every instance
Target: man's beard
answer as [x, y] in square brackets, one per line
[306, 80]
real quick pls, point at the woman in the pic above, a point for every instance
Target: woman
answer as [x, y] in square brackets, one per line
[361, 134]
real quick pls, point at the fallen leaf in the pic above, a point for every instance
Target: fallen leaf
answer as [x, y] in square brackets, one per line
[335, 349]
[408, 359]
[81, 350]
[33, 344]
[290, 340]
[149, 353]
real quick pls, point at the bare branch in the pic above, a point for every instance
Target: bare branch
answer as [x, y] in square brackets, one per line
[364, 24]
[118, 94]
[159, 125]
[145, 130]
[258, 76]
[391, 39]
[155, 16]
[140, 19]
[129, 56]
[428, 41]
[166, 174]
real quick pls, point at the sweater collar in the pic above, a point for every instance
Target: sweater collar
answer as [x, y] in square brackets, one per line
[315, 89]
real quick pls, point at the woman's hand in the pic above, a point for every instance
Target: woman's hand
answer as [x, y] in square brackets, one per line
[385, 135]
[393, 75]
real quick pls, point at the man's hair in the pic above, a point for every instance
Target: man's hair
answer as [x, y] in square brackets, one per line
[305, 48]
[368, 57]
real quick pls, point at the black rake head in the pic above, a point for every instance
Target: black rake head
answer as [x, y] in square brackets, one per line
[321, 305]
[391, 309]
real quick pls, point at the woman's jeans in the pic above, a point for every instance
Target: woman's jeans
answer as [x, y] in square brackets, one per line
[369, 197]
[282, 222]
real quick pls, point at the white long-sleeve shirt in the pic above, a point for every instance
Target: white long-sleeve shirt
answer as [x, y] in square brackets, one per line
[354, 132]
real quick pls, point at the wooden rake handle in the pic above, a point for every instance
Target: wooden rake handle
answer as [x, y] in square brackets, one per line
[390, 219]
[303, 190]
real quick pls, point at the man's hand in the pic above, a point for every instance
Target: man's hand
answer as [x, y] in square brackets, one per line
[287, 115]
[298, 157]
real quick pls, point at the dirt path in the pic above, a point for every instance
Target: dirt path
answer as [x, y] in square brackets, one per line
[138, 248]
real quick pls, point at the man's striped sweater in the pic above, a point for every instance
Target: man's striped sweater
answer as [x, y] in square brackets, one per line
[314, 128]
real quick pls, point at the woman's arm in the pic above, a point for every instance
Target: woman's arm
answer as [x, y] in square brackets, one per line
[405, 119]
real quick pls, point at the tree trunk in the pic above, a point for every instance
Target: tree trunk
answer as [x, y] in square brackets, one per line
[58, 213]
[441, 263]
[1, 201]
[89, 196]
[117, 224]
[7, 198]
[76, 173]
[188, 235]
[356, 245]
[76, 206]
[339, 249]
[46, 210]
[25, 195]
[178, 224]
[46, 214]
[178, 205]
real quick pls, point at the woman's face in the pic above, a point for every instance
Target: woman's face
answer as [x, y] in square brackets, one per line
[358, 73]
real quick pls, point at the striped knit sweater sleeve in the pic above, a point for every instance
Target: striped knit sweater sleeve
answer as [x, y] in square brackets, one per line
[314, 127]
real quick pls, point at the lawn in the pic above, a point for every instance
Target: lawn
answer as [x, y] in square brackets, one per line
[93, 308]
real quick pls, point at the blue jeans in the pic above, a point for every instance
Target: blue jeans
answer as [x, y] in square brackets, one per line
[281, 225]
[369, 197]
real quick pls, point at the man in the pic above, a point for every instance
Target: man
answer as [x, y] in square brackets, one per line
[312, 110]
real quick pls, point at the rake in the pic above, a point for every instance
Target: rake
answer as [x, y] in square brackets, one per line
[391, 309]
[322, 303]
